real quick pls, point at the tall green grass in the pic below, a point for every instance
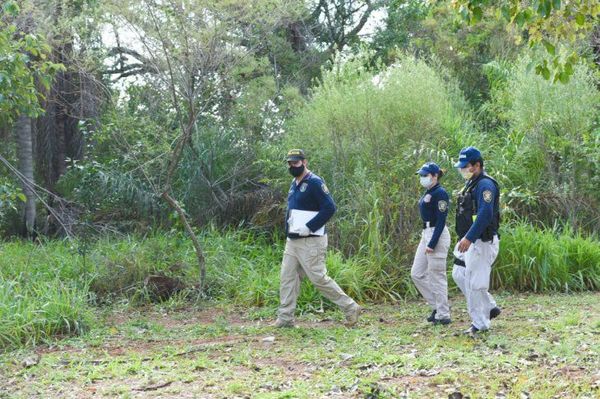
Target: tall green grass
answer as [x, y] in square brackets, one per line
[43, 293]
[34, 311]
[52, 289]
[548, 260]
[546, 151]
[243, 268]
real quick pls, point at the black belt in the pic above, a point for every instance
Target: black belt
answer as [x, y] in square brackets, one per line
[297, 237]
[459, 262]
[425, 225]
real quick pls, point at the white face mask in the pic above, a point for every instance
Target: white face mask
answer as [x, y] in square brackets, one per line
[466, 174]
[425, 181]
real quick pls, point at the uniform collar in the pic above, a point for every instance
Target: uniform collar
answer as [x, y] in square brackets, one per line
[306, 177]
[474, 181]
[432, 189]
[470, 184]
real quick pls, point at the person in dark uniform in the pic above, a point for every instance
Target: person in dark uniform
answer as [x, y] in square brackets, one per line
[477, 224]
[429, 267]
[306, 244]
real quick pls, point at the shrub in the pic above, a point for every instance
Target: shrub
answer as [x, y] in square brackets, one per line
[547, 153]
[546, 260]
[366, 131]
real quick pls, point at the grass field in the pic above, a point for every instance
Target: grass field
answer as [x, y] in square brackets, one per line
[542, 346]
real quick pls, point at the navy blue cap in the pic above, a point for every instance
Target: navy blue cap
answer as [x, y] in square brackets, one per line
[429, 168]
[467, 155]
[295, 155]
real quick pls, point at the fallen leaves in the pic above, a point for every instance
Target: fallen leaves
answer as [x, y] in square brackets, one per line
[31, 361]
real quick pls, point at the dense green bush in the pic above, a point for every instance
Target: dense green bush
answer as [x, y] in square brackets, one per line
[546, 153]
[546, 260]
[366, 131]
[11, 199]
[48, 290]
[43, 293]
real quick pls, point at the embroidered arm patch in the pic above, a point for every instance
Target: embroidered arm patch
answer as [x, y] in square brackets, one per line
[443, 206]
[488, 196]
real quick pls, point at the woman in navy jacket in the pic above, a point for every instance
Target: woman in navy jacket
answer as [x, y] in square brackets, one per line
[429, 267]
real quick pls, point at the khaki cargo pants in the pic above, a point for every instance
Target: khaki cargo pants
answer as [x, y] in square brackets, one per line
[306, 257]
[429, 272]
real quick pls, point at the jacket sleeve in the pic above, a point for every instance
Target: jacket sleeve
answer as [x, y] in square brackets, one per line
[441, 213]
[326, 205]
[486, 193]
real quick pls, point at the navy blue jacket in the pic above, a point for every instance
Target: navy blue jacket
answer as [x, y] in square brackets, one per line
[433, 207]
[486, 196]
[311, 194]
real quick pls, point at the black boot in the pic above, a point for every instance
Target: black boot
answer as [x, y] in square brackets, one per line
[495, 312]
[431, 317]
[443, 322]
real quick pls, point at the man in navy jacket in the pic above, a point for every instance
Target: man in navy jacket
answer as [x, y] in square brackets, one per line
[477, 224]
[306, 247]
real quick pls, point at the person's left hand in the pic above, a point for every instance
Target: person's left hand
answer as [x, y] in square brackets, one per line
[304, 231]
[428, 250]
[463, 245]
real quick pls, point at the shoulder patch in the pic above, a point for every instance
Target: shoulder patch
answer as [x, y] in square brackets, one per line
[488, 196]
[324, 188]
[443, 205]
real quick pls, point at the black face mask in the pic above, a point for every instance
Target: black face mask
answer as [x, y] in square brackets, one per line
[296, 170]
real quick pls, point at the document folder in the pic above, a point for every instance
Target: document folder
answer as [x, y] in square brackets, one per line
[300, 218]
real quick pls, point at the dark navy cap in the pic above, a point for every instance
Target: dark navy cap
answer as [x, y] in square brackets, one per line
[295, 155]
[430, 168]
[467, 155]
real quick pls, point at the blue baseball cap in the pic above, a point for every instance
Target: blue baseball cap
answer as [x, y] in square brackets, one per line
[467, 155]
[429, 168]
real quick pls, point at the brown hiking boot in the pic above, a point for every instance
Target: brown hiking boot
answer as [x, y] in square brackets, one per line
[352, 316]
[282, 323]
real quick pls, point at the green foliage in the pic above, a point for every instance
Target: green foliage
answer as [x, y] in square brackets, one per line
[548, 260]
[106, 193]
[23, 62]
[545, 23]
[404, 21]
[546, 152]
[434, 32]
[42, 293]
[535, 103]
[10, 196]
[366, 132]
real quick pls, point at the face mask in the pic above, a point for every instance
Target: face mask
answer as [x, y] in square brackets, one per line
[466, 174]
[425, 181]
[296, 170]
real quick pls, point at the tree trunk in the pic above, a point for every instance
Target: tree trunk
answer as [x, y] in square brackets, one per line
[25, 154]
[188, 228]
[173, 163]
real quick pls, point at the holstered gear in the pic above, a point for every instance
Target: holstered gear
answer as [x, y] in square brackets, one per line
[466, 211]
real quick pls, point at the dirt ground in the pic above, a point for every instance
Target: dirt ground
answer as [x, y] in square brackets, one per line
[540, 347]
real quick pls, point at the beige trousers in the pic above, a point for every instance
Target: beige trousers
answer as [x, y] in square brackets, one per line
[429, 272]
[306, 257]
[474, 279]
